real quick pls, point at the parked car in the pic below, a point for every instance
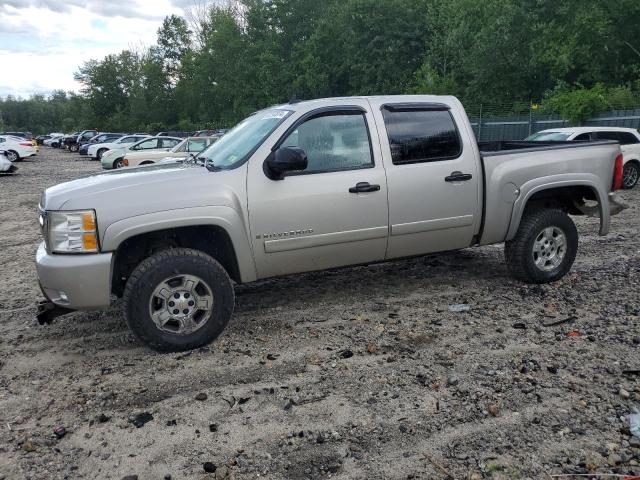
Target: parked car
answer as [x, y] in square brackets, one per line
[310, 186]
[68, 138]
[25, 135]
[16, 148]
[6, 166]
[72, 142]
[114, 157]
[53, 137]
[629, 139]
[41, 138]
[56, 141]
[173, 134]
[99, 138]
[210, 133]
[96, 150]
[192, 145]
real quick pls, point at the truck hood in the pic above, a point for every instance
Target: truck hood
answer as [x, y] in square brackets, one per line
[129, 192]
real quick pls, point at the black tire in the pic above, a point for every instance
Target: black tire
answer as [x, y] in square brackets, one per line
[13, 156]
[152, 272]
[519, 252]
[101, 152]
[630, 175]
[118, 163]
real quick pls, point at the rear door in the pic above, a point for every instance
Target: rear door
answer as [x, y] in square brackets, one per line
[324, 216]
[433, 177]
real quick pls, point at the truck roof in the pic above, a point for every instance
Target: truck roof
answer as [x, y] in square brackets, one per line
[447, 99]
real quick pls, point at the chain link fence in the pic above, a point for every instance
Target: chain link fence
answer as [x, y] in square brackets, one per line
[493, 122]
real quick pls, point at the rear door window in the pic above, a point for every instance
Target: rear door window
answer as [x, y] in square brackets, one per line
[418, 136]
[168, 142]
[583, 137]
[628, 138]
[607, 136]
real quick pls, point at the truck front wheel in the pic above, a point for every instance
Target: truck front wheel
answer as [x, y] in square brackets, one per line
[544, 247]
[178, 299]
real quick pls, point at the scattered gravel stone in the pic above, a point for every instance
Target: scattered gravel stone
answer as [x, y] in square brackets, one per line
[140, 419]
[452, 381]
[209, 467]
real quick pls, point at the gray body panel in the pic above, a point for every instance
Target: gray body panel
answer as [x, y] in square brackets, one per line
[534, 170]
[311, 221]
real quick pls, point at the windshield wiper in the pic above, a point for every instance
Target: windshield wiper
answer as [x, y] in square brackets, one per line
[211, 167]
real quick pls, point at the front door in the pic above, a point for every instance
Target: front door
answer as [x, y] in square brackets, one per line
[318, 218]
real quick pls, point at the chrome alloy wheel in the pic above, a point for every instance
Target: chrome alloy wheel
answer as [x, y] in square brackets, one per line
[181, 304]
[549, 248]
[629, 176]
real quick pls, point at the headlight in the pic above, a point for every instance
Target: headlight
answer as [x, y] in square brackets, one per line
[72, 232]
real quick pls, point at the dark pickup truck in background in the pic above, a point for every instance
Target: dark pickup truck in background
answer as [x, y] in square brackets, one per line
[72, 142]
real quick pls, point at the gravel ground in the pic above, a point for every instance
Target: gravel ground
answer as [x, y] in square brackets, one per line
[361, 373]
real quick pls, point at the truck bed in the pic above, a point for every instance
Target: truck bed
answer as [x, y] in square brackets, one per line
[520, 168]
[508, 146]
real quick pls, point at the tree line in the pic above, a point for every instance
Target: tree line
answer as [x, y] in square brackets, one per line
[219, 63]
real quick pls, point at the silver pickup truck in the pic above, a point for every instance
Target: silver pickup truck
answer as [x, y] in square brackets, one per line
[309, 186]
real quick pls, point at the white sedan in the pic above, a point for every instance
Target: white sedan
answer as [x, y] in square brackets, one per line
[16, 148]
[113, 158]
[96, 151]
[5, 165]
[628, 138]
[181, 151]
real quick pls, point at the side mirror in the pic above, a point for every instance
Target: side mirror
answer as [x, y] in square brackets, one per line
[284, 160]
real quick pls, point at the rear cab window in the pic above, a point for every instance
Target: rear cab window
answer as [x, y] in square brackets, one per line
[421, 134]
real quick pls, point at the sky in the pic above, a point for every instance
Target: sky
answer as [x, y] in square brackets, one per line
[43, 42]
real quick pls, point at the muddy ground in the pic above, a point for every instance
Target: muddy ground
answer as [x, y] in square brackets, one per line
[361, 373]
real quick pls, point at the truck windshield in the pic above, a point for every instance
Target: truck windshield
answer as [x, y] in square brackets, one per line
[548, 137]
[240, 142]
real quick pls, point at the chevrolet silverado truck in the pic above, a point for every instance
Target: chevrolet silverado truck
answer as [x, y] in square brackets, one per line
[309, 186]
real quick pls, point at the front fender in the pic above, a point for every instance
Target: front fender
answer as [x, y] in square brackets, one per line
[219, 216]
[558, 181]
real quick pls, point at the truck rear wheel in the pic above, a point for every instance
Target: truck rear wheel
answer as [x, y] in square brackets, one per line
[178, 299]
[544, 247]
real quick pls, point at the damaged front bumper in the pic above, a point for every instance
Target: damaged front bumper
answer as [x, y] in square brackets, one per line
[48, 311]
[72, 282]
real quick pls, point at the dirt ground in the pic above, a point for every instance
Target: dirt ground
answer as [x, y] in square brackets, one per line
[361, 373]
